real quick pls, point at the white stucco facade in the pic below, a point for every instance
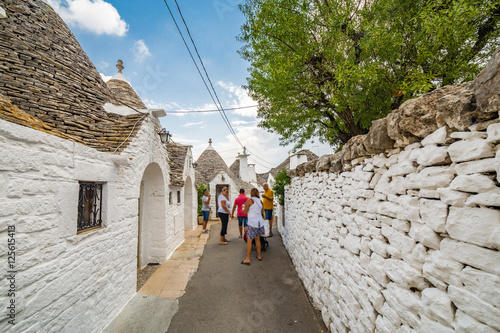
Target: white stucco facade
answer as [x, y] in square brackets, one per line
[72, 282]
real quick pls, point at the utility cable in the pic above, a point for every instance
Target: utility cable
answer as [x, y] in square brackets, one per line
[194, 61]
[205, 70]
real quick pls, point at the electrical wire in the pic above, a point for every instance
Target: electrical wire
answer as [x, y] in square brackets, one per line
[218, 104]
[202, 111]
[205, 70]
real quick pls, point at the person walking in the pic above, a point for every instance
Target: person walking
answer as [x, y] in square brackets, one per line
[242, 218]
[255, 229]
[205, 209]
[223, 210]
[268, 207]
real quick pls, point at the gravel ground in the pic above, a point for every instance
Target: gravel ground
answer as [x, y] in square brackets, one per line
[144, 274]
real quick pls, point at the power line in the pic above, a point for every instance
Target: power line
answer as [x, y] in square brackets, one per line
[218, 104]
[202, 111]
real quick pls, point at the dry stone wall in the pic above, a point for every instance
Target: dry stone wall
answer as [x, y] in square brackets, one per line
[406, 238]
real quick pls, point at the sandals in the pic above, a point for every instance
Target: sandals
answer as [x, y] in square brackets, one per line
[222, 243]
[245, 263]
[259, 259]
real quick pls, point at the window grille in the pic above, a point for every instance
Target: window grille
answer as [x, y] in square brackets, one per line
[178, 196]
[89, 206]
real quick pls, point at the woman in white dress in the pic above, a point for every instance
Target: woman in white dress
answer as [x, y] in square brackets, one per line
[254, 209]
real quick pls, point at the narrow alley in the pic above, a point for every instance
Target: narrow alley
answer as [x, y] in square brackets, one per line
[221, 295]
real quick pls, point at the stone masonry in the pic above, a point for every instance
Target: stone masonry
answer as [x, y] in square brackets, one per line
[400, 231]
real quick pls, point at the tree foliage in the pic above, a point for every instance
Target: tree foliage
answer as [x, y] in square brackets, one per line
[281, 180]
[328, 68]
[200, 189]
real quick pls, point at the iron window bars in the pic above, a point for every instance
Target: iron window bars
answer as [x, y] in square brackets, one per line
[89, 206]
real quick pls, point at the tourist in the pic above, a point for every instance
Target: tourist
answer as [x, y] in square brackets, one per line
[205, 209]
[255, 229]
[268, 207]
[224, 213]
[242, 218]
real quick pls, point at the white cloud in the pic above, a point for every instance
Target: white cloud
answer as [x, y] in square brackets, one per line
[240, 98]
[96, 16]
[193, 124]
[140, 50]
[106, 78]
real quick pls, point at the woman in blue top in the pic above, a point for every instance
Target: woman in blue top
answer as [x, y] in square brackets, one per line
[254, 209]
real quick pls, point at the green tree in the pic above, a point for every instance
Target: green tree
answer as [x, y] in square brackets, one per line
[201, 188]
[281, 180]
[328, 68]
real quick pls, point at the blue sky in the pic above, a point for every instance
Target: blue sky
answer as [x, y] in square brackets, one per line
[157, 64]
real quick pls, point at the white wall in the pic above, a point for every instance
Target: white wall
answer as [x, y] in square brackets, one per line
[403, 242]
[67, 282]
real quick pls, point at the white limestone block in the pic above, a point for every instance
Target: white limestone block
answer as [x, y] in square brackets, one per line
[429, 326]
[474, 225]
[406, 329]
[477, 166]
[379, 160]
[404, 275]
[379, 247]
[391, 315]
[490, 198]
[438, 268]
[406, 303]
[389, 209]
[411, 211]
[472, 255]
[468, 150]
[437, 306]
[416, 258]
[377, 270]
[437, 138]
[474, 183]
[484, 285]
[402, 168]
[384, 325]
[452, 197]
[434, 214]
[468, 135]
[493, 132]
[425, 235]
[362, 176]
[435, 177]
[397, 239]
[475, 307]
[467, 324]
[352, 243]
[433, 155]
[364, 246]
[430, 194]
[401, 225]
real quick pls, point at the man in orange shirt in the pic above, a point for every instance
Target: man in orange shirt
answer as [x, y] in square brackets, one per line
[268, 206]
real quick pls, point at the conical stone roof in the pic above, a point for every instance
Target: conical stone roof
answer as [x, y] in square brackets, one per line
[209, 164]
[123, 91]
[46, 74]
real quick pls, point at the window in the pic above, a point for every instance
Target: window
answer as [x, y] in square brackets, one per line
[169, 198]
[178, 197]
[89, 206]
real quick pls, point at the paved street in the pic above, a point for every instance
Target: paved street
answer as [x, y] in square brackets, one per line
[221, 295]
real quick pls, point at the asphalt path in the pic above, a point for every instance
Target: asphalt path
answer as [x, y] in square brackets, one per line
[226, 296]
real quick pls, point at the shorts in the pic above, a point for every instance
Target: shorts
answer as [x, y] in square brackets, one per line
[268, 213]
[242, 221]
[206, 215]
[254, 232]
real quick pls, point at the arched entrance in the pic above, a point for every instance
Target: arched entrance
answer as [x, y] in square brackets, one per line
[151, 229]
[188, 204]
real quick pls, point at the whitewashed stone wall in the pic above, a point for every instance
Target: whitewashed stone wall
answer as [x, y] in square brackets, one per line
[406, 241]
[66, 282]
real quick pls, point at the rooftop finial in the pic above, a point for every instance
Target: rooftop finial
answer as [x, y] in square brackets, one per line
[119, 65]
[210, 141]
